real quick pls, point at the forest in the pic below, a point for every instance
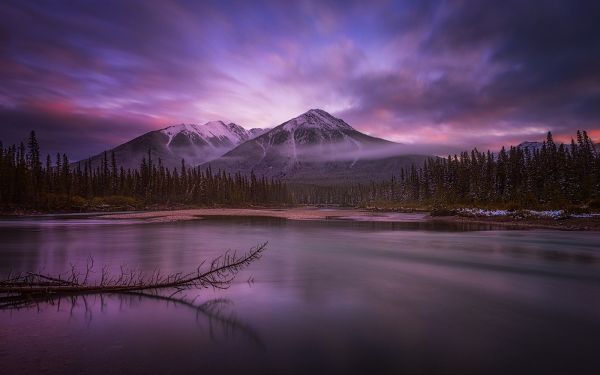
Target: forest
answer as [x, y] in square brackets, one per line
[26, 183]
[564, 176]
[551, 176]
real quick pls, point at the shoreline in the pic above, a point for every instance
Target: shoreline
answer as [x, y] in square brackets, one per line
[570, 224]
[312, 213]
[316, 213]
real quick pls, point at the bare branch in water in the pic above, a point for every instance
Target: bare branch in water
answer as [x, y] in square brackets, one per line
[28, 287]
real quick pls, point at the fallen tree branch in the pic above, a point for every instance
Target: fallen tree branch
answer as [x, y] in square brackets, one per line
[219, 275]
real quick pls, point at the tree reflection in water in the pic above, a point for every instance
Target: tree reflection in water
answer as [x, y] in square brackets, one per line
[221, 324]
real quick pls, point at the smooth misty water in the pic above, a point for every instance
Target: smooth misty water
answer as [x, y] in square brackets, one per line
[327, 297]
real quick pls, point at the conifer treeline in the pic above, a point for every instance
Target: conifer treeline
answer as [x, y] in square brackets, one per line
[25, 182]
[549, 177]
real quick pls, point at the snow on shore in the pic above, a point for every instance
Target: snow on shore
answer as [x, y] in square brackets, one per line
[551, 214]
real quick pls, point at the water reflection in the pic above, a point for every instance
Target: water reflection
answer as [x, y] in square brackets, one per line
[336, 297]
[214, 315]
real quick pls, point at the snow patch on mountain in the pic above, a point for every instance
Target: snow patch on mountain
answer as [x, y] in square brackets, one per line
[316, 119]
[229, 133]
[255, 132]
[530, 147]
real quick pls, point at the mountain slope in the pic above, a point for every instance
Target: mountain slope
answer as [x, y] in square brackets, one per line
[194, 143]
[317, 147]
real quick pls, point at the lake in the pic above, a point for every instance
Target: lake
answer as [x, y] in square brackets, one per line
[326, 297]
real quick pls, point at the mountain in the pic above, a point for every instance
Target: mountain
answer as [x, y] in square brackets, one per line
[255, 132]
[531, 147]
[194, 143]
[317, 147]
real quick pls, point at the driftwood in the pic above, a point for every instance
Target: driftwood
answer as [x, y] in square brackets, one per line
[30, 287]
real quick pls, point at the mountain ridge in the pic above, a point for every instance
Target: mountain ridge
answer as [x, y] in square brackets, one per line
[194, 143]
[316, 147]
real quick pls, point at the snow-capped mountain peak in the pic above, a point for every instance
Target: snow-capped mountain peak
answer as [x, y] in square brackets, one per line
[316, 146]
[192, 142]
[215, 133]
[530, 146]
[315, 127]
[316, 118]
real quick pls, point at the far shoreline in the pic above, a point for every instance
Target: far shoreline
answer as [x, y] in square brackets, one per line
[570, 224]
[318, 213]
[357, 214]
[287, 213]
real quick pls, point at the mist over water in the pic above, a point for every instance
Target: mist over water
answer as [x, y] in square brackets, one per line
[338, 297]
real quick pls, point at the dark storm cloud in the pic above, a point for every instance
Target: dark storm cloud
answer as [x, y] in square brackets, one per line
[78, 134]
[500, 66]
[453, 73]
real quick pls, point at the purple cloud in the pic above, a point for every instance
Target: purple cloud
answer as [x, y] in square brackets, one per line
[450, 75]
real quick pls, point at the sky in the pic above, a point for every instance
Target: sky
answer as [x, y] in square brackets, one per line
[439, 76]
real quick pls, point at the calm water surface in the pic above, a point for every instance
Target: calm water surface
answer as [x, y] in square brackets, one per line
[327, 297]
